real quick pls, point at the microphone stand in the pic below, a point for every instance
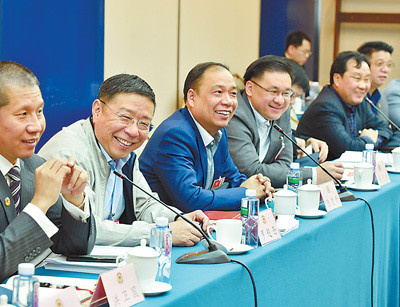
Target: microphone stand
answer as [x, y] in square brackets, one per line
[211, 256]
[344, 194]
[381, 113]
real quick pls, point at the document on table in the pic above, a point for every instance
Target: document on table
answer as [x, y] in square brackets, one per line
[349, 158]
[59, 262]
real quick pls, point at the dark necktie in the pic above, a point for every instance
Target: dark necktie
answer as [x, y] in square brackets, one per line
[15, 186]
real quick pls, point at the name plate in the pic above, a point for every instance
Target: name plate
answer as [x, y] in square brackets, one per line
[330, 196]
[267, 229]
[381, 173]
[119, 287]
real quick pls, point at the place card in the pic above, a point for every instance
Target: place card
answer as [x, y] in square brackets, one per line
[330, 196]
[267, 229]
[381, 173]
[119, 287]
[62, 298]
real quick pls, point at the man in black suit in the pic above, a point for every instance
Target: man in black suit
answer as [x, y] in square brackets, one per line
[33, 216]
[340, 116]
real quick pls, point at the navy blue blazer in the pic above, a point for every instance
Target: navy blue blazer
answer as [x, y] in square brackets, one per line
[326, 119]
[174, 163]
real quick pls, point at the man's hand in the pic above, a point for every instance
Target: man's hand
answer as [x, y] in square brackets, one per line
[302, 144]
[184, 234]
[319, 146]
[372, 134]
[334, 167]
[74, 183]
[260, 183]
[48, 181]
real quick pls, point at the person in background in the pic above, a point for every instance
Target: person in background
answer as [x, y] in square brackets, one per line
[186, 161]
[390, 101]
[298, 47]
[340, 116]
[379, 55]
[255, 146]
[104, 142]
[34, 216]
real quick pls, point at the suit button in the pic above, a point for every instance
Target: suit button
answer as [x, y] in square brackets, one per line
[38, 250]
[27, 259]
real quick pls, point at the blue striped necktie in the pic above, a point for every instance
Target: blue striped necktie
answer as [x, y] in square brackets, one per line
[15, 186]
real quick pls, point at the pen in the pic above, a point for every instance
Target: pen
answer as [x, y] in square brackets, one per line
[58, 286]
[105, 259]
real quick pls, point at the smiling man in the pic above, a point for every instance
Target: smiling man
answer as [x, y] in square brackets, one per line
[34, 218]
[340, 116]
[254, 145]
[120, 123]
[186, 161]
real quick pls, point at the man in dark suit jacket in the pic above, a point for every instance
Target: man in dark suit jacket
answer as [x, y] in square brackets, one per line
[340, 116]
[187, 156]
[33, 217]
[255, 146]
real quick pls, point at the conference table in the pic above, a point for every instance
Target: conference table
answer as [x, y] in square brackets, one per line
[325, 262]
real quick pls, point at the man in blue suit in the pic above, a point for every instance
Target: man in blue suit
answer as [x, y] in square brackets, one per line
[186, 161]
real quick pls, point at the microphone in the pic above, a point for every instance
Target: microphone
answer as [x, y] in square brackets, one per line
[381, 113]
[211, 256]
[344, 194]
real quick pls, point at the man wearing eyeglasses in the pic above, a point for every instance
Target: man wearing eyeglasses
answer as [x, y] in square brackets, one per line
[120, 123]
[379, 55]
[340, 116]
[298, 47]
[253, 144]
[186, 161]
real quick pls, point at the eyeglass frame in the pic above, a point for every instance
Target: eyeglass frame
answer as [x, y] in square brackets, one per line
[275, 93]
[132, 120]
[381, 64]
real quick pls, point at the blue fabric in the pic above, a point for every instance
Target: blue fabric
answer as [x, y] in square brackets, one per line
[174, 164]
[375, 97]
[326, 262]
[325, 119]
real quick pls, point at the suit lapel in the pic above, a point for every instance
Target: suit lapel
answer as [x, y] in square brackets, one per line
[275, 142]
[200, 145]
[27, 183]
[6, 198]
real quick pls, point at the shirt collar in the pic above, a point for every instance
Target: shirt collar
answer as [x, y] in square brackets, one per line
[5, 165]
[375, 97]
[205, 136]
[114, 164]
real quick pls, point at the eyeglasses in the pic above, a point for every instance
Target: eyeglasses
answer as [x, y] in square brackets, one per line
[274, 93]
[306, 52]
[358, 79]
[127, 120]
[380, 64]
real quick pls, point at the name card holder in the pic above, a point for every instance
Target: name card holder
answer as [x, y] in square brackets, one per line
[381, 173]
[267, 229]
[64, 298]
[119, 287]
[330, 196]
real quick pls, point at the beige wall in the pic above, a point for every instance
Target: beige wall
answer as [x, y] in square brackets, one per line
[141, 37]
[353, 35]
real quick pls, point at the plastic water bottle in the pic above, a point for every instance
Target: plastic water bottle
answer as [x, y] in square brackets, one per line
[161, 240]
[294, 178]
[369, 156]
[249, 214]
[25, 286]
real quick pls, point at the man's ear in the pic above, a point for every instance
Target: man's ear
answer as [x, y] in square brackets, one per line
[190, 98]
[249, 87]
[291, 49]
[96, 108]
[336, 78]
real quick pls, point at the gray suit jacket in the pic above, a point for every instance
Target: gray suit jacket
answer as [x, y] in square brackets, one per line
[244, 143]
[22, 239]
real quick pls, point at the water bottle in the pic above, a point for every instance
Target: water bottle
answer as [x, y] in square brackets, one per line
[161, 240]
[25, 286]
[249, 215]
[294, 178]
[369, 156]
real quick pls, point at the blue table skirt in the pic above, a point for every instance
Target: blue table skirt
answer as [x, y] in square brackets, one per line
[326, 262]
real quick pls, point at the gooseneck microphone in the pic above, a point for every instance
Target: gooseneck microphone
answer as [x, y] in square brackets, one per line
[211, 256]
[381, 113]
[344, 194]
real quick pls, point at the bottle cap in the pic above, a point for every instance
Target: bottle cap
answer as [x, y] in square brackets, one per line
[369, 146]
[26, 269]
[250, 193]
[161, 221]
[295, 165]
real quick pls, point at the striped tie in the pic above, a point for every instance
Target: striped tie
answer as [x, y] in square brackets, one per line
[15, 185]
